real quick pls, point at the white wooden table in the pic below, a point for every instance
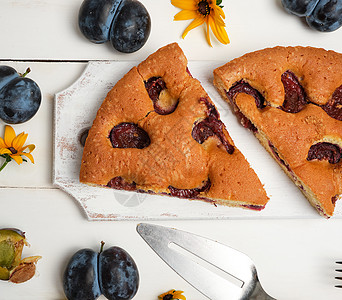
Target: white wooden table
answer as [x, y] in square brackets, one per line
[294, 256]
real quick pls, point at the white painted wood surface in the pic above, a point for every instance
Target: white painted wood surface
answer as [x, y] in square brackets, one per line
[294, 256]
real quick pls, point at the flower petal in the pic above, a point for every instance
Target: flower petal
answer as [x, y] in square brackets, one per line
[223, 34]
[29, 156]
[220, 22]
[178, 295]
[185, 15]
[196, 22]
[17, 158]
[185, 4]
[19, 141]
[2, 143]
[31, 147]
[208, 34]
[9, 135]
[219, 32]
[5, 151]
[219, 11]
[217, 18]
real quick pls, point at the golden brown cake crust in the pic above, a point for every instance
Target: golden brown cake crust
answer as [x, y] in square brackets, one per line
[173, 159]
[291, 134]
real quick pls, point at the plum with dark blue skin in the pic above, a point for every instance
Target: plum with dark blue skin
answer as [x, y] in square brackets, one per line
[119, 277]
[20, 100]
[327, 16]
[126, 23]
[131, 27]
[321, 15]
[80, 276]
[95, 19]
[111, 272]
[7, 73]
[299, 8]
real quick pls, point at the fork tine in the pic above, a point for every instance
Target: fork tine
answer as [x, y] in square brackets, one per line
[338, 277]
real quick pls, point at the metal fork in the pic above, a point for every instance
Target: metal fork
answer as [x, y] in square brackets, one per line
[224, 258]
[339, 277]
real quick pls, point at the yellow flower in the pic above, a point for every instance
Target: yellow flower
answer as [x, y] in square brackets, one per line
[172, 294]
[208, 11]
[12, 147]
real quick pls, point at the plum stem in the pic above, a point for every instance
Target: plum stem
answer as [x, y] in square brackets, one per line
[102, 244]
[28, 70]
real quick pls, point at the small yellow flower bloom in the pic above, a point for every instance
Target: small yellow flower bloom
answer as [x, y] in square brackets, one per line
[172, 294]
[203, 11]
[12, 147]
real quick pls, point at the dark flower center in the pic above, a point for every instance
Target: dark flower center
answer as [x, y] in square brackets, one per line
[12, 150]
[204, 8]
[168, 297]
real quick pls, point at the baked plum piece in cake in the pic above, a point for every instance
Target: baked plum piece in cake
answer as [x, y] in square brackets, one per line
[291, 99]
[157, 131]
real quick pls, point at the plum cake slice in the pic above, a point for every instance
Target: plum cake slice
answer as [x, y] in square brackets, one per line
[157, 131]
[291, 99]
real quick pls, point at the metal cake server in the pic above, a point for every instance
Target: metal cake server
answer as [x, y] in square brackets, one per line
[180, 250]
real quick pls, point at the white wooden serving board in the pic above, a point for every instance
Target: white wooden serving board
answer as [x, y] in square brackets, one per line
[75, 110]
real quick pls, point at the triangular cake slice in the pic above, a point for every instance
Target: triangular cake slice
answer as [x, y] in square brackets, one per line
[291, 98]
[157, 131]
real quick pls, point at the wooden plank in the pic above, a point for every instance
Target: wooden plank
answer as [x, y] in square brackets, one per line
[51, 78]
[55, 228]
[48, 29]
